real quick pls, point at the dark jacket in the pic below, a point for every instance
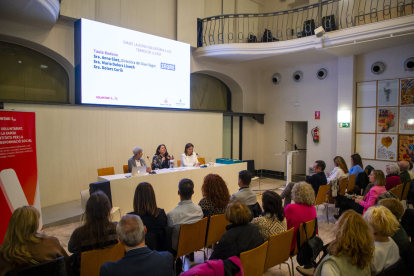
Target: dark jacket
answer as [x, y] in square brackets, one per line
[140, 261]
[362, 180]
[317, 180]
[237, 239]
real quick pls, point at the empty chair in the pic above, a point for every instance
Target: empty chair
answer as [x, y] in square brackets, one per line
[178, 163]
[321, 198]
[125, 168]
[253, 261]
[92, 261]
[106, 171]
[278, 251]
[202, 160]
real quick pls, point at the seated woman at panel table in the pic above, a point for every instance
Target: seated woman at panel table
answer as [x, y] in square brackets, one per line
[136, 160]
[97, 233]
[341, 169]
[24, 245]
[161, 158]
[189, 157]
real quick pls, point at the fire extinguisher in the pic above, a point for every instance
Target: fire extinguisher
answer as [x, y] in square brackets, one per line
[315, 134]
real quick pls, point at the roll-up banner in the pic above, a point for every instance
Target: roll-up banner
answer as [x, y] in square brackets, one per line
[18, 165]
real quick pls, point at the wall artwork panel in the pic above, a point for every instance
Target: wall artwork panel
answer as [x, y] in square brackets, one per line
[386, 147]
[388, 92]
[407, 120]
[387, 120]
[407, 91]
[366, 94]
[406, 147]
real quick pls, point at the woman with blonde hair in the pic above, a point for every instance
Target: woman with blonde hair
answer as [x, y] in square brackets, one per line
[24, 245]
[383, 225]
[340, 170]
[303, 209]
[351, 251]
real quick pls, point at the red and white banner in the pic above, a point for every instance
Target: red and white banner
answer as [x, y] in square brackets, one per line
[18, 165]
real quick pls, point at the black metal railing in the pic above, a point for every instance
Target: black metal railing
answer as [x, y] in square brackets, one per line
[296, 23]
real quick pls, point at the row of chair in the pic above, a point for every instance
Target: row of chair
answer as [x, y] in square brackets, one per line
[111, 170]
[401, 191]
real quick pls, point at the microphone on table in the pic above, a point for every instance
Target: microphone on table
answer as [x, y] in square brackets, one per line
[152, 171]
[200, 158]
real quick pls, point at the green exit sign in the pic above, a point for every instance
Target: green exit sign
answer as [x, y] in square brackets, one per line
[344, 125]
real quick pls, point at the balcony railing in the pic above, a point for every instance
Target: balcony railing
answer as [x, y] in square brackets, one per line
[296, 23]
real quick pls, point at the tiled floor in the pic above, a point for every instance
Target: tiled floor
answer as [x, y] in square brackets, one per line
[64, 232]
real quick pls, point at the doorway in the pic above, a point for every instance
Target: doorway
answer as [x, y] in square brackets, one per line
[296, 135]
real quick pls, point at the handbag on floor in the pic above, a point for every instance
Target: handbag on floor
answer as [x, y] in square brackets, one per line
[311, 248]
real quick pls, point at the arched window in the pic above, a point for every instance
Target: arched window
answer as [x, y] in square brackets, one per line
[28, 75]
[208, 92]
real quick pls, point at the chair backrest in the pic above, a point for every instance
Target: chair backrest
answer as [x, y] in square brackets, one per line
[192, 237]
[178, 163]
[310, 228]
[202, 160]
[329, 197]
[125, 168]
[322, 192]
[342, 185]
[84, 198]
[351, 182]
[253, 261]
[216, 228]
[397, 191]
[366, 171]
[279, 248]
[399, 268]
[106, 171]
[55, 267]
[406, 190]
[92, 261]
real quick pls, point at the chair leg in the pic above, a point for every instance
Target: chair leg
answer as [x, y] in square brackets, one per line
[293, 271]
[327, 218]
[287, 263]
[120, 216]
[175, 267]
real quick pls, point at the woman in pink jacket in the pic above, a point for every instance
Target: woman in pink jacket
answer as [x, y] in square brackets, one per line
[361, 205]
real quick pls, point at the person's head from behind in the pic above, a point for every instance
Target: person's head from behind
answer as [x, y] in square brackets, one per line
[356, 160]
[392, 169]
[340, 162]
[353, 239]
[377, 177]
[245, 177]
[97, 218]
[319, 166]
[186, 189]
[22, 230]
[188, 150]
[144, 200]
[137, 151]
[131, 231]
[215, 190]
[394, 205]
[381, 222]
[404, 166]
[272, 205]
[238, 213]
[303, 193]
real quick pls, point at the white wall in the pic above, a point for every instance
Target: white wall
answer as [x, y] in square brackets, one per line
[74, 141]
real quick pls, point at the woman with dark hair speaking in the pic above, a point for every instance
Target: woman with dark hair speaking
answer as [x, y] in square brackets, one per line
[189, 157]
[97, 233]
[161, 158]
[272, 221]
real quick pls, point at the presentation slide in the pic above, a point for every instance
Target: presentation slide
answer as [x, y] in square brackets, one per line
[117, 66]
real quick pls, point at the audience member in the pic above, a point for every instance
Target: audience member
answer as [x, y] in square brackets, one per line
[410, 169]
[24, 245]
[161, 158]
[245, 194]
[316, 180]
[154, 218]
[272, 221]
[303, 210]
[394, 205]
[356, 164]
[404, 175]
[186, 212]
[97, 233]
[241, 235]
[340, 170]
[136, 160]
[383, 225]
[216, 195]
[393, 178]
[352, 250]
[138, 259]
[407, 222]
[361, 205]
